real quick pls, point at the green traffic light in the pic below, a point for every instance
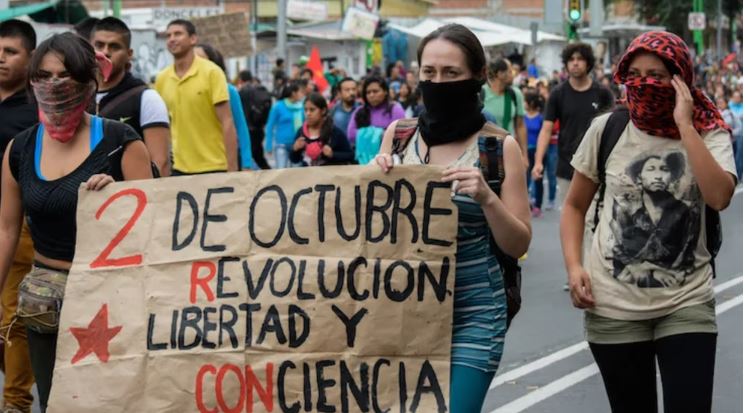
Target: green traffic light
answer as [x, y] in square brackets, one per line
[574, 15]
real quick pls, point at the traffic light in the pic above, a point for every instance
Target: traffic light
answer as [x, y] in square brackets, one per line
[574, 11]
[572, 32]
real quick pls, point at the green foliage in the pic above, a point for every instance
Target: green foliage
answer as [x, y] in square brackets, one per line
[673, 14]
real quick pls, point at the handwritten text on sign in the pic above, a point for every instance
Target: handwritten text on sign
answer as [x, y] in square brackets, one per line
[323, 289]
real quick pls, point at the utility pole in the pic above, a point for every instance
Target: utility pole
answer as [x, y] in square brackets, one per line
[254, 33]
[117, 8]
[282, 31]
[719, 29]
[597, 17]
[698, 35]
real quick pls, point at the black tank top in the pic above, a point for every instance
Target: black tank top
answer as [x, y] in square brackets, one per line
[50, 205]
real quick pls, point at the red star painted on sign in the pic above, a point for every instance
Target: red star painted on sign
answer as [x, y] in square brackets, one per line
[95, 338]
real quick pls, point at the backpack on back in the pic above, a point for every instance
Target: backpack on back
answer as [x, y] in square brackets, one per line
[257, 102]
[492, 167]
[612, 132]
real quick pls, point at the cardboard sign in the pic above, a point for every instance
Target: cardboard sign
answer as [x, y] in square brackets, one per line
[360, 23]
[314, 289]
[228, 33]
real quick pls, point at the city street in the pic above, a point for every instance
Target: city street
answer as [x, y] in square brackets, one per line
[547, 367]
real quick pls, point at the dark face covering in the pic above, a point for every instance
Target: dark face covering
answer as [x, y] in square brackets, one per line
[452, 111]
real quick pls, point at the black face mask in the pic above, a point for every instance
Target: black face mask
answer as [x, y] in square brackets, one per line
[452, 111]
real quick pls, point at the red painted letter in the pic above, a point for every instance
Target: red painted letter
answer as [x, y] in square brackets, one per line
[266, 394]
[242, 391]
[103, 259]
[207, 368]
[202, 282]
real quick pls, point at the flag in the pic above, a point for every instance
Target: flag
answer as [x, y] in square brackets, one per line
[314, 64]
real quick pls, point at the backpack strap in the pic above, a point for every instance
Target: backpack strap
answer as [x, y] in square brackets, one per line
[105, 111]
[612, 132]
[491, 159]
[405, 129]
[491, 155]
[511, 101]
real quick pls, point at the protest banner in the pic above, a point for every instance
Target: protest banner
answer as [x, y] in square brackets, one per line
[227, 33]
[326, 289]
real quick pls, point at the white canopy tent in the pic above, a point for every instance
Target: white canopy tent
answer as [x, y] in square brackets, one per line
[489, 33]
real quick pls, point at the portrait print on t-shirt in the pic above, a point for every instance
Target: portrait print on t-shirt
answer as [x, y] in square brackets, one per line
[656, 221]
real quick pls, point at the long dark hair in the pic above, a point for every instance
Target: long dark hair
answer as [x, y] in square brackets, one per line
[534, 100]
[214, 56]
[363, 114]
[327, 125]
[292, 87]
[77, 54]
[411, 99]
[460, 36]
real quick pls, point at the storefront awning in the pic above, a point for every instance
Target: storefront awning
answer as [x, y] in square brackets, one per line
[19, 11]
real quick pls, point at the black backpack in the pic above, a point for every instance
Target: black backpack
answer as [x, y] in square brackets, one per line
[490, 150]
[612, 132]
[257, 102]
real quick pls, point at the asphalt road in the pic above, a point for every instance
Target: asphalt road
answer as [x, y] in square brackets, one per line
[546, 365]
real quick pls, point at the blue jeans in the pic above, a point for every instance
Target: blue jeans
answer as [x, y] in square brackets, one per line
[468, 387]
[535, 187]
[281, 157]
[552, 159]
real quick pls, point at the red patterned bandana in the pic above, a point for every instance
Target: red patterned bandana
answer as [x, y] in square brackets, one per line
[651, 103]
[62, 103]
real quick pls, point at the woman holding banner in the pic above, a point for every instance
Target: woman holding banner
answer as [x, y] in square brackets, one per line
[453, 68]
[43, 168]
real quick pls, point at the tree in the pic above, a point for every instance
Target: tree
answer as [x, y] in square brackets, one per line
[674, 14]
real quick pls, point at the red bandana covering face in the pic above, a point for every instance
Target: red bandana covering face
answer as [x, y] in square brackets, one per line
[62, 103]
[651, 103]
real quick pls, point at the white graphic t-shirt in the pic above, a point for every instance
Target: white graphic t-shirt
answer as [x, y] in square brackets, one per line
[648, 255]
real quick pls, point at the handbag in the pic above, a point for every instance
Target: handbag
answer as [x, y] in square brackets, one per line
[40, 297]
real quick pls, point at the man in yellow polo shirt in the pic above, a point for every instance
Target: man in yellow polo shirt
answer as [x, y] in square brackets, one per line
[196, 93]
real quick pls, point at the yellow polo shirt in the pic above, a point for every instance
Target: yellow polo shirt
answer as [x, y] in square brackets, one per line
[196, 132]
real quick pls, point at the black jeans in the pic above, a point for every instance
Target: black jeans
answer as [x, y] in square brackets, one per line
[42, 348]
[257, 148]
[686, 366]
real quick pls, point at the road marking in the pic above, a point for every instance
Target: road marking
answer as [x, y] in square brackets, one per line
[559, 355]
[536, 365]
[549, 390]
[727, 284]
[729, 304]
[577, 376]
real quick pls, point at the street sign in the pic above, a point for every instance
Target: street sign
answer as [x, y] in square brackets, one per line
[696, 21]
[160, 17]
[360, 23]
